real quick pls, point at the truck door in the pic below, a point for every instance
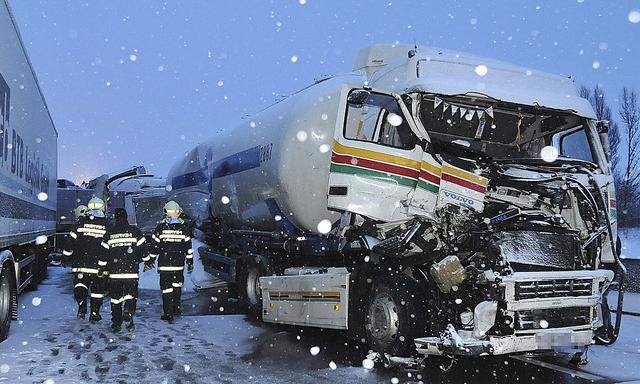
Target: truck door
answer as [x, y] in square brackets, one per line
[375, 161]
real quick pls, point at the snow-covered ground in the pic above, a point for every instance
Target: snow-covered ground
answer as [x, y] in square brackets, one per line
[48, 345]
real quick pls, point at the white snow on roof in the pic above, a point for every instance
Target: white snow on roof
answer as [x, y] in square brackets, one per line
[449, 72]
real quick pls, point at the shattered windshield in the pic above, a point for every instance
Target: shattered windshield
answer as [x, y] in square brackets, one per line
[504, 132]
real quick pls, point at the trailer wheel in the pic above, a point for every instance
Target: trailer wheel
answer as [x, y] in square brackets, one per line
[250, 293]
[6, 300]
[395, 314]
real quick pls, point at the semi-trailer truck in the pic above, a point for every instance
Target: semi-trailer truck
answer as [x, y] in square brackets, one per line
[430, 202]
[28, 171]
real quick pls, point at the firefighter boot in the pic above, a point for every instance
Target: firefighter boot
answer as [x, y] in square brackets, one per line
[82, 311]
[128, 320]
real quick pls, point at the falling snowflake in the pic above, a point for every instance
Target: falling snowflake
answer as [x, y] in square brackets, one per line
[314, 350]
[294, 58]
[225, 200]
[41, 239]
[368, 363]
[634, 16]
[481, 70]
[133, 57]
[333, 365]
[42, 196]
[4, 368]
[324, 226]
[549, 154]
[324, 148]
[394, 119]
[301, 136]
[36, 301]
[596, 64]
[220, 83]
[186, 367]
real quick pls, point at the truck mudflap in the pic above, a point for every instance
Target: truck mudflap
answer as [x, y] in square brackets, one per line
[454, 342]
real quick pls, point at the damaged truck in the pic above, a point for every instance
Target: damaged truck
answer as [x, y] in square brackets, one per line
[430, 203]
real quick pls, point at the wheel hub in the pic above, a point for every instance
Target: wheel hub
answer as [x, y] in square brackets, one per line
[383, 320]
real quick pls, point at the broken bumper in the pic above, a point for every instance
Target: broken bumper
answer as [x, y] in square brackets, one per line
[548, 310]
[454, 344]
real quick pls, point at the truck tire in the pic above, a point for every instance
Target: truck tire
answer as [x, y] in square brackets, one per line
[395, 314]
[6, 302]
[249, 291]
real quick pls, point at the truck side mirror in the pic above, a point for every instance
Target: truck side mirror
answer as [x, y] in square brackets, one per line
[602, 126]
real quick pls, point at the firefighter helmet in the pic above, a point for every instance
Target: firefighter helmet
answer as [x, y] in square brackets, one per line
[96, 204]
[172, 209]
[80, 210]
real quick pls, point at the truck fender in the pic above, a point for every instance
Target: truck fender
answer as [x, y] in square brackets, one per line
[7, 262]
[7, 257]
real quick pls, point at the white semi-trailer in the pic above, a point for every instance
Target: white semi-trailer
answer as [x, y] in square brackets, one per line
[28, 166]
[430, 202]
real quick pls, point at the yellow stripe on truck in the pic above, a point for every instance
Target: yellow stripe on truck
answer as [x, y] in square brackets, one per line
[372, 155]
[465, 175]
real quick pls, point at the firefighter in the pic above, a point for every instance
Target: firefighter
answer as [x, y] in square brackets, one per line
[172, 243]
[88, 259]
[126, 251]
[80, 211]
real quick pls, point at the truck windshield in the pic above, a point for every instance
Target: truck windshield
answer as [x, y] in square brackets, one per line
[506, 132]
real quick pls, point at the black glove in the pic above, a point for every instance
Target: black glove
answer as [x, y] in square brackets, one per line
[189, 267]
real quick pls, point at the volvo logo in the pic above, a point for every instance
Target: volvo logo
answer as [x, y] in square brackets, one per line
[459, 198]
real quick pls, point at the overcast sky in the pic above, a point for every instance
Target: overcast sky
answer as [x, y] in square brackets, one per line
[140, 82]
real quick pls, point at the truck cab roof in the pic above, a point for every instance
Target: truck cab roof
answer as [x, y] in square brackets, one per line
[406, 69]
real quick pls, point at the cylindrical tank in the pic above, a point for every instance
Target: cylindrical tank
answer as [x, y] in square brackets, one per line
[271, 172]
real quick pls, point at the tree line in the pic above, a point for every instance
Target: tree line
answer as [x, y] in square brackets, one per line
[624, 143]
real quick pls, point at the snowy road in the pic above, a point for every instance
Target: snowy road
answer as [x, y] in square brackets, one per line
[49, 344]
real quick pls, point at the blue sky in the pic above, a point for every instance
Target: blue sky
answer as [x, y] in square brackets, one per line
[140, 82]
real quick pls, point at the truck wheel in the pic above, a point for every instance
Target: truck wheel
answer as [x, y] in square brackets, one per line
[395, 314]
[5, 302]
[249, 288]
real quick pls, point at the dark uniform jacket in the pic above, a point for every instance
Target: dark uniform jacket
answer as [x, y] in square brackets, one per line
[84, 245]
[126, 249]
[172, 245]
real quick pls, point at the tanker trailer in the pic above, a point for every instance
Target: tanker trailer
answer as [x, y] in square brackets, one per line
[430, 203]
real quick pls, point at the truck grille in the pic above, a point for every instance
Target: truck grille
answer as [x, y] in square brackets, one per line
[553, 288]
[534, 319]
